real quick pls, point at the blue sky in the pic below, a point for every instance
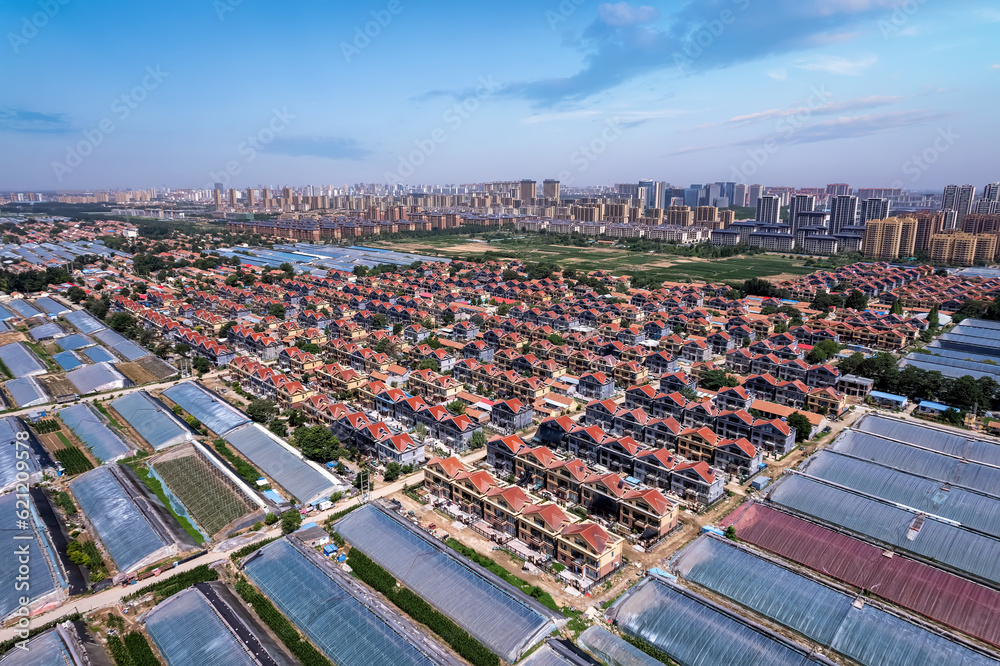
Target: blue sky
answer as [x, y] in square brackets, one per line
[255, 92]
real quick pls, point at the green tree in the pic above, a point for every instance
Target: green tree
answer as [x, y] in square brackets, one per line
[290, 521]
[456, 406]
[201, 365]
[823, 351]
[76, 294]
[856, 300]
[897, 307]
[261, 410]
[360, 271]
[713, 380]
[933, 319]
[317, 443]
[278, 427]
[271, 519]
[276, 310]
[557, 339]
[379, 321]
[392, 471]
[803, 428]
[478, 440]
[121, 321]
[182, 348]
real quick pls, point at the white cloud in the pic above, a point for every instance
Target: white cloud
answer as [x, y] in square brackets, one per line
[997, 66]
[838, 65]
[623, 13]
[778, 74]
[988, 14]
[559, 116]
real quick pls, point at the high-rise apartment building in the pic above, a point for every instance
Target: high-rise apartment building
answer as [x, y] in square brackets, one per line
[550, 189]
[706, 216]
[891, 238]
[741, 194]
[928, 224]
[959, 199]
[217, 197]
[843, 212]
[754, 194]
[654, 193]
[233, 197]
[249, 197]
[768, 209]
[874, 209]
[838, 189]
[799, 203]
[962, 249]
[679, 216]
[526, 191]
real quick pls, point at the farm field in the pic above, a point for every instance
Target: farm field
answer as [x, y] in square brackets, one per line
[619, 261]
[211, 501]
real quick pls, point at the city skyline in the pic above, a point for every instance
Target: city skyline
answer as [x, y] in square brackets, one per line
[589, 94]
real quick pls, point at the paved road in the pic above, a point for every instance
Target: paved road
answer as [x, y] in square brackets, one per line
[112, 596]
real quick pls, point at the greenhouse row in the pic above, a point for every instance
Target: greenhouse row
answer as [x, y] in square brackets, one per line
[860, 631]
[21, 361]
[496, 614]
[340, 618]
[91, 429]
[215, 413]
[156, 424]
[929, 437]
[950, 599]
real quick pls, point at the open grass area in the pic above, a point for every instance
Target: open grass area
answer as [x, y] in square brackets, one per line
[603, 256]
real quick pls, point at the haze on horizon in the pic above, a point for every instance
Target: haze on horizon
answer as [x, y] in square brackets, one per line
[809, 91]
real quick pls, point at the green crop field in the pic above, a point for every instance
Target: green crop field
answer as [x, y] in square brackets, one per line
[663, 265]
[210, 499]
[73, 459]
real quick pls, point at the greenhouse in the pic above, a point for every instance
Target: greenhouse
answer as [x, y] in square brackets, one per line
[48, 331]
[281, 463]
[97, 378]
[124, 529]
[75, 341]
[936, 439]
[215, 413]
[904, 457]
[51, 306]
[67, 360]
[91, 429]
[187, 629]
[663, 615]
[612, 650]
[152, 420]
[972, 510]
[869, 635]
[23, 308]
[332, 615]
[45, 576]
[21, 361]
[26, 392]
[495, 613]
[935, 593]
[99, 355]
[58, 646]
[128, 350]
[84, 321]
[38, 459]
[967, 551]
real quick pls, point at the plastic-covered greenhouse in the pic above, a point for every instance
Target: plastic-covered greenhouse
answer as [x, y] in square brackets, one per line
[972, 510]
[90, 428]
[23, 308]
[869, 635]
[970, 448]
[128, 349]
[21, 361]
[75, 341]
[26, 392]
[96, 378]
[557, 653]
[901, 456]
[612, 650]
[99, 355]
[50, 305]
[38, 459]
[187, 630]
[499, 616]
[695, 632]
[67, 360]
[337, 622]
[215, 413]
[47, 331]
[938, 594]
[46, 649]
[41, 556]
[84, 321]
[974, 553]
[123, 529]
[281, 463]
[152, 420]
